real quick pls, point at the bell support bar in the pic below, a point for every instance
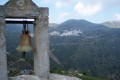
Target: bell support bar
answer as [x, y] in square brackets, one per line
[19, 22]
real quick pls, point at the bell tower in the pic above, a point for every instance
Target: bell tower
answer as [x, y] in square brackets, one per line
[29, 10]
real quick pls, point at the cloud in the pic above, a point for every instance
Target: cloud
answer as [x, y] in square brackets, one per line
[62, 3]
[46, 1]
[110, 3]
[63, 16]
[87, 10]
[117, 16]
[59, 4]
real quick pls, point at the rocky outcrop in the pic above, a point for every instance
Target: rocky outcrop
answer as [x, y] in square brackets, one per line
[52, 77]
[24, 77]
[61, 77]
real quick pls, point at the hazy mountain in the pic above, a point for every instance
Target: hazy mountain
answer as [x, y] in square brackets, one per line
[112, 24]
[83, 24]
[53, 25]
[78, 27]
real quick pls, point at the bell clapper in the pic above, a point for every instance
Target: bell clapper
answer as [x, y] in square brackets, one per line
[23, 55]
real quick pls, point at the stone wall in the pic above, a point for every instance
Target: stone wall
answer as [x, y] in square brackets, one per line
[21, 9]
[3, 59]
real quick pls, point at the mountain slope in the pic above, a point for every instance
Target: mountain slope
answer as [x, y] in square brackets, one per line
[95, 51]
[89, 48]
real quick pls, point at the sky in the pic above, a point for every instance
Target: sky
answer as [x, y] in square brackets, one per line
[96, 11]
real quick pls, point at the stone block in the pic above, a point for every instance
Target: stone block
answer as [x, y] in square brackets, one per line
[62, 77]
[24, 77]
[51, 77]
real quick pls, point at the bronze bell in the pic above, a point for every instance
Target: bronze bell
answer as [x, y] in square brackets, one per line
[25, 43]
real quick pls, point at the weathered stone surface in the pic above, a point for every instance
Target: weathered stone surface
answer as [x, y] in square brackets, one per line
[24, 77]
[62, 77]
[52, 77]
[27, 9]
[1, 11]
[41, 57]
[21, 9]
[3, 59]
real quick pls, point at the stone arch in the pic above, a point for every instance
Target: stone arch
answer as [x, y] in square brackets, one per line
[29, 10]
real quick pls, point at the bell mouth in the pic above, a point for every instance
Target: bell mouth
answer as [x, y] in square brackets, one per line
[24, 49]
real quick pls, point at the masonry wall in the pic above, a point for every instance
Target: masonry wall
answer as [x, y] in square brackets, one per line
[3, 59]
[41, 56]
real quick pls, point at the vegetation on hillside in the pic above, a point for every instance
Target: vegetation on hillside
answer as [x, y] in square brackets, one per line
[77, 74]
[95, 52]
